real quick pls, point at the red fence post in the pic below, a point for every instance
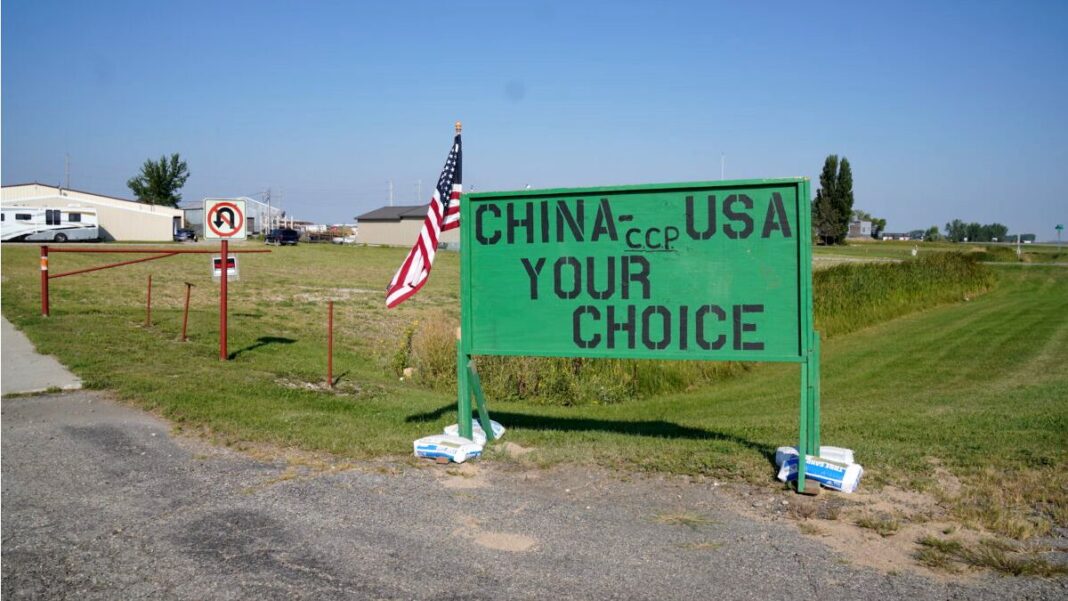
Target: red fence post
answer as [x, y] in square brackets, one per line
[330, 345]
[44, 280]
[148, 304]
[222, 299]
[185, 317]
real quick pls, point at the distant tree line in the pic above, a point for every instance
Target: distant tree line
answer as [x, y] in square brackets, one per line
[959, 231]
[832, 211]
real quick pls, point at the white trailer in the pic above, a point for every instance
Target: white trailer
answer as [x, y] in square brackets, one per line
[48, 224]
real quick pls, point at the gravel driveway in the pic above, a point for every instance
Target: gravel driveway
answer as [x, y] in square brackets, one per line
[100, 501]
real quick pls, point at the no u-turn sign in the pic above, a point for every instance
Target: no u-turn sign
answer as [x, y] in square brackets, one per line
[224, 219]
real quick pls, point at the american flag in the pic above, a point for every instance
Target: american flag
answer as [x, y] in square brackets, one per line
[442, 215]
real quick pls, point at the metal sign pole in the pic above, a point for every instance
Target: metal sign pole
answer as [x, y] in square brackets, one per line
[330, 345]
[463, 391]
[222, 299]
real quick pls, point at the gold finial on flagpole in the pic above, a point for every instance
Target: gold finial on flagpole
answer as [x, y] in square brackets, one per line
[459, 126]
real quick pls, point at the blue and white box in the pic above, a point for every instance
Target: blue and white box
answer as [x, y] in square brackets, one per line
[836, 475]
[453, 448]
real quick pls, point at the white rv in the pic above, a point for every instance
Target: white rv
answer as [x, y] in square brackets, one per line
[48, 224]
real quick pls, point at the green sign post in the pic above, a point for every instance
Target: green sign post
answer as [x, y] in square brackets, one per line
[710, 271]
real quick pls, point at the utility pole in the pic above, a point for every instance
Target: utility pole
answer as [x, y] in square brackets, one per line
[267, 199]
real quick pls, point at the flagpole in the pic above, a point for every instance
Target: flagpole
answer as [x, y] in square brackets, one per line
[463, 390]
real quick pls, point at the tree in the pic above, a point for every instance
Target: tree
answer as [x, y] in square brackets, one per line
[824, 210]
[956, 230]
[959, 231]
[833, 206]
[843, 199]
[995, 231]
[932, 235]
[877, 227]
[159, 182]
[824, 218]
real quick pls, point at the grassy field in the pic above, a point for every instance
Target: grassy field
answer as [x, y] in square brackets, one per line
[977, 387]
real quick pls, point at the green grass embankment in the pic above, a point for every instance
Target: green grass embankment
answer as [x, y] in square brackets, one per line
[978, 387]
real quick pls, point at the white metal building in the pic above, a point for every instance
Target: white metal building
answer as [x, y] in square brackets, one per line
[859, 229]
[259, 215]
[119, 218]
[398, 226]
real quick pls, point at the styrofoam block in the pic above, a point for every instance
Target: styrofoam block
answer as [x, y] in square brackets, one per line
[453, 448]
[477, 434]
[839, 454]
[832, 474]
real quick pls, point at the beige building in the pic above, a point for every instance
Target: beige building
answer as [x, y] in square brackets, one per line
[398, 226]
[119, 218]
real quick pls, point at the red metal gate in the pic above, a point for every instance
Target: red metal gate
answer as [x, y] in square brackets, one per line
[156, 253]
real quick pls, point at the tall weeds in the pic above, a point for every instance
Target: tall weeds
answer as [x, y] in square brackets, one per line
[847, 298]
[851, 297]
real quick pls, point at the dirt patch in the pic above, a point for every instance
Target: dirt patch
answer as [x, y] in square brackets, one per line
[948, 484]
[513, 450]
[502, 541]
[341, 388]
[464, 476]
[499, 541]
[864, 547]
[874, 529]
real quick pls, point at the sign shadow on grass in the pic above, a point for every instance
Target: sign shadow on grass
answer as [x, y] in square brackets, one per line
[261, 342]
[651, 428]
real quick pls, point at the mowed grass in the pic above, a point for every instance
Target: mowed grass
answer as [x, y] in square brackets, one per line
[977, 387]
[272, 389]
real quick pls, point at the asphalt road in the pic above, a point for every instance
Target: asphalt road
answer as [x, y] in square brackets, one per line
[101, 502]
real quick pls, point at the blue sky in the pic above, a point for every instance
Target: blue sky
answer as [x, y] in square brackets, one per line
[945, 110]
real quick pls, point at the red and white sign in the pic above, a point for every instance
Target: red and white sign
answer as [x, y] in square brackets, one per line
[224, 219]
[231, 268]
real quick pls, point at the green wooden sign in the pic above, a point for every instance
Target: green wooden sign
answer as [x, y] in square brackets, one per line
[707, 271]
[710, 271]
